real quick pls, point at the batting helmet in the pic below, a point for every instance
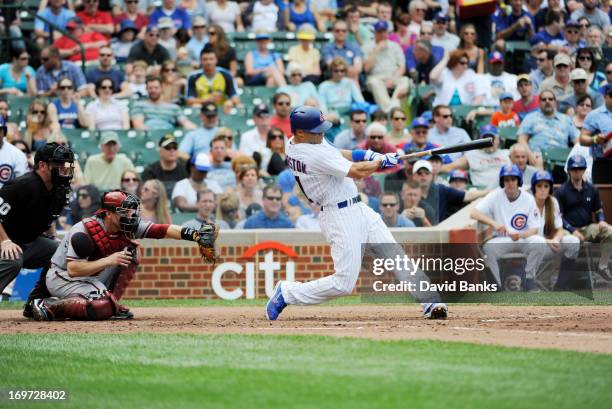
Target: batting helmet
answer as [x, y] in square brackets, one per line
[309, 119]
[126, 205]
[510, 170]
[576, 162]
[539, 176]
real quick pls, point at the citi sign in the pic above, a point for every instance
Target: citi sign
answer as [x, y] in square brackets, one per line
[268, 266]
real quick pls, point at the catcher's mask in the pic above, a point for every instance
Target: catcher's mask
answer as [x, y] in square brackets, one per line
[60, 159]
[126, 205]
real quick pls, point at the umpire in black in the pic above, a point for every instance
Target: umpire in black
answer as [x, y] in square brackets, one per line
[28, 207]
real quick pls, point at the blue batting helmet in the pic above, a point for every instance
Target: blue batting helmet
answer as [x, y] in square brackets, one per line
[539, 176]
[309, 119]
[577, 162]
[510, 170]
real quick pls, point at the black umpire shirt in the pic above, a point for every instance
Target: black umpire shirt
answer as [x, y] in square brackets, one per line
[577, 207]
[25, 208]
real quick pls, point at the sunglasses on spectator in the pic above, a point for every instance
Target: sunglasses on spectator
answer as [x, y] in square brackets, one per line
[420, 132]
[463, 62]
[126, 180]
[563, 66]
[377, 136]
[421, 10]
[388, 204]
[287, 103]
[229, 210]
[585, 105]
[276, 136]
[169, 70]
[24, 58]
[171, 147]
[131, 1]
[446, 116]
[585, 25]
[212, 33]
[106, 87]
[399, 118]
[340, 30]
[609, 72]
[153, 34]
[228, 137]
[44, 59]
[106, 55]
[296, 74]
[340, 71]
[547, 99]
[198, 27]
[469, 33]
[541, 59]
[572, 31]
[274, 198]
[65, 87]
[584, 58]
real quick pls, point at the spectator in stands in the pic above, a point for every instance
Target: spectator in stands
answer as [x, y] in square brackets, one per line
[483, 164]
[125, 40]
[417, 10]
[148, 50]
[497, 80]
[468, 43]
[254, 140]
[553, 5]
[553, 23]
[415, 209]
[197, 41]
[12, 132]
[585, 59]
[95, 20]
[608, 72]
[226, 55]
[247, 182]
[211, 83]
[339, 92]
[597, 125]
[443, 133]
[349, 51]
[528, 102]
[421, 58]
[206, 208]
[271, 216]
[389, 206]
[544, 60]
[516, 24]
[54, 12]
[264, 16]
[584, 105]
[419, 129]
[441, 36]
[299, 89]
[559, 83]
[398, 135]
[580, 203]
[154, 207]
[106, 112]
[137, 80]
[511, 235]
[131, 182]
[90, 40]
[13, 162]
[154, 113]
[402, 34]
[273, 157]
[282, 110]
[23, 147]
[106, 168]
[310, 221]
[305, 55]
[120, 86]
[595, 41]
[53, 68]
[546, 128]
[67, 110]
[173, 85]
[167, 169]
[455, 83]
[376, 139]
[458, 179]
[519, 156]
[355, 135]
[165, 27]
[137, 20]
[300, 12]
[579, 80]
[505, 117]
[226, 14]
[169, 8]
[571, 38]
[17, 77]
[198, 140]
[385, 65]
[595, 16]
[262, 66]
[184, 194]
[228, 213]
[357, 31]
[220, 170]
[39, 126]
[86, 203]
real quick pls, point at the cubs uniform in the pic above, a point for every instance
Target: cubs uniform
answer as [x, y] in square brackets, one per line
[517, 216]
[13, 163]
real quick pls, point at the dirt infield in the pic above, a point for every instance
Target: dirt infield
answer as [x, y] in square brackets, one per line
[579, 328]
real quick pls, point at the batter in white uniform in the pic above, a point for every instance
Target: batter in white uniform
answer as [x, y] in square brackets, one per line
[325, 175]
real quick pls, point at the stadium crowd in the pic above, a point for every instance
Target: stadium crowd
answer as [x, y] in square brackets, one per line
[398, 77]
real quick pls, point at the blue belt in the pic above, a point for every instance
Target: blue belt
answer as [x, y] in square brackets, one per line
[347, 203]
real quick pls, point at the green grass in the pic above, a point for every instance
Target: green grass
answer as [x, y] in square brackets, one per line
[238, 371]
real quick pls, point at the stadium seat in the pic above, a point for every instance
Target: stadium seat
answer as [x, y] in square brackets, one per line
[508, 136]
[555, 156]
[19, 104]
[83, 142]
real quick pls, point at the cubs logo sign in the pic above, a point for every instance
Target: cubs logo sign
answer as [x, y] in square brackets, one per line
[518, 221]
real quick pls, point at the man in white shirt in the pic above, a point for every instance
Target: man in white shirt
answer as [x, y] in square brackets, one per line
[442, 37]
[13, 162]
[498, 81]
[254, 140]
[185, 192]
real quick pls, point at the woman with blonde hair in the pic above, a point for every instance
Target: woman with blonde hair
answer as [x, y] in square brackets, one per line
[228, 210]
[467, 43]
[247, 182]
[154, 207]
[38, 125]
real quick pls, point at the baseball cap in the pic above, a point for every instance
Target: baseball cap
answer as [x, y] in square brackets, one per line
[2, 122]
[506, 95]
[421, 164]
[381, 26]
[562, 58]
[202, 162]
[607, 89]
[427, 115]
[165, 22]
[458, 174]
[260, 109]
[440, 16]
[578, 74]
[126, 25]
[167, 139]
[264, 35]
[306, 32]
[488, 130]
[496, 56]
[523, 77]
[572, 24]
[198, 21]
[209, 109]
[419, 122]
[108, 137]
[74, 22]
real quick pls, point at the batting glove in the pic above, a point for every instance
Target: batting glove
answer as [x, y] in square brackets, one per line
[370, 155]
[389, 160]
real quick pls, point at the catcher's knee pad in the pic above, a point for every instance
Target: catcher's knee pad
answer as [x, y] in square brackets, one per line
[77, 307]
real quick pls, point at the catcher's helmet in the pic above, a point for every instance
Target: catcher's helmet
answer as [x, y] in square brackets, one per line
[539, 176]
[309, 119]
[510, 170]
[577, 162]
[126, 205]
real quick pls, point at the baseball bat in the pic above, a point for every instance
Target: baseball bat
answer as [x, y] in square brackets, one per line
[460, 147]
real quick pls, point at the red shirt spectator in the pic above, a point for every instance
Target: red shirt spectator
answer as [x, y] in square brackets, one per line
[284, 124]
[95, 20]
[131, 12]
[92, 41]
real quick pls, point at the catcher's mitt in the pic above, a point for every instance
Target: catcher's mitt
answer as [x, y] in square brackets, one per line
[205, 237]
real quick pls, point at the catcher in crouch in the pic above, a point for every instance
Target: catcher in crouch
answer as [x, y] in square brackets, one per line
[97, 258]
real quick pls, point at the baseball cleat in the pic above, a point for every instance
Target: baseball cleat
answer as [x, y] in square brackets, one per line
[123, 314]
[40, 312]
[436, 311]
[276, 304]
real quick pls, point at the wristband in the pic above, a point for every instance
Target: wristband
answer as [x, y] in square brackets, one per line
[358, 155]
[189, 234]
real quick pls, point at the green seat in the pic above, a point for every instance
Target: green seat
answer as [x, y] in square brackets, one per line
[83, 142]
[19, 104]
[460, 112]
[156, 134]
[555, 156]
[180, 218]
[237, 123]
[508, 136]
